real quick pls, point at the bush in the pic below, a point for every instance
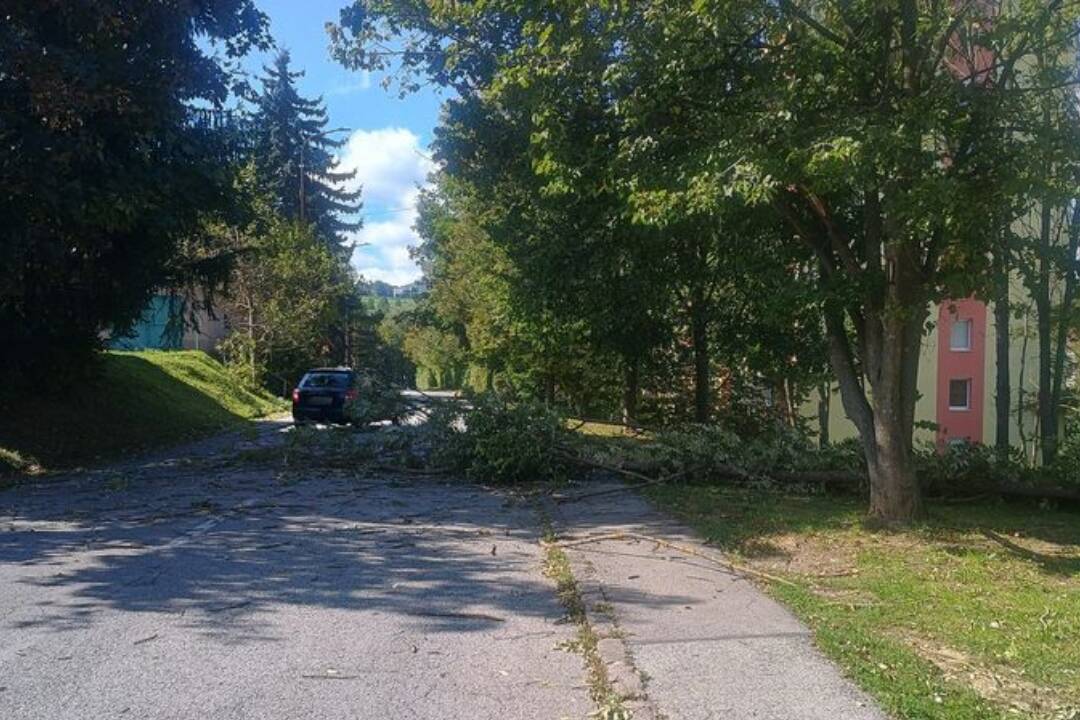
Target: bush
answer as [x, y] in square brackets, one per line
[963, 469]
[495, 441]
[377, 401]
[696, 449]
[237, 353]
[1066, 468]
[844, 456]
[444, 434]
[712, 452]
[705, 452]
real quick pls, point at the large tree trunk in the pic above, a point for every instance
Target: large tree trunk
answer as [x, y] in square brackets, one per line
[886, 419]
[885, 317]
[631, 392]
[699, 332]
[1002, 380]
[895, 496]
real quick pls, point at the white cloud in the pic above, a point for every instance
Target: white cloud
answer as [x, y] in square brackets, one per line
[390, 165]
[353, 85]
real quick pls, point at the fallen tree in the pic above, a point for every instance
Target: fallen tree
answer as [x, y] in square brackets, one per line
[826, 480]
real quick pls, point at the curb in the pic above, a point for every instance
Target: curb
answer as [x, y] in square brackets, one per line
[625, 679]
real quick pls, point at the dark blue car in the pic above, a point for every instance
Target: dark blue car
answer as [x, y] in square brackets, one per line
[324, 395]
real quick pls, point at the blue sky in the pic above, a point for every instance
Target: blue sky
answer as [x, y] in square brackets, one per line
[388, 139]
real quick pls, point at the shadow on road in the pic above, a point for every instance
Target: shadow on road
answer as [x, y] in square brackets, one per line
[224, 549]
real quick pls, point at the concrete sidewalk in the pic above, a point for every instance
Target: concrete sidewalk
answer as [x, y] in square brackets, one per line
[691, 639]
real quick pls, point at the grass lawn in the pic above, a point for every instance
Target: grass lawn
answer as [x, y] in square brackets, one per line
[974, 614]
[138, 400]
[598, 429]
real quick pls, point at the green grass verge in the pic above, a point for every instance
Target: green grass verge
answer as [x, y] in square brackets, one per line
[598, 429]
[973, 614]
[136, 401]
[557, 568]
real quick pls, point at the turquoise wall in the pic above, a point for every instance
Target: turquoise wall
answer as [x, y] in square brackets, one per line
[153, 330]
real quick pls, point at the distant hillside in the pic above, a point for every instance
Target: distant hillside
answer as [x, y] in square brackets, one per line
[378, 288]
[388, 305]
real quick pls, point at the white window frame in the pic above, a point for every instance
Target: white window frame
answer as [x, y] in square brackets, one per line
[970, 332]
[968, 384]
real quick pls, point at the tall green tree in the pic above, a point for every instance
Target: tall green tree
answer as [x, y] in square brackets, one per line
[880, 133]
[104, 173]
[294, 153]
[886, 137]
[284, 302]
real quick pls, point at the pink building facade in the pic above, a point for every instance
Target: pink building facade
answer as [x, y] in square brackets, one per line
[961, 371]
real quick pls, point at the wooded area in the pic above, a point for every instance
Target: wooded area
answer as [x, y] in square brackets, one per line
[681, 209]
[144, 161]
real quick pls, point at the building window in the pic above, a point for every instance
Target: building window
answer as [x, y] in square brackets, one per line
[960, 335]
[960, 394]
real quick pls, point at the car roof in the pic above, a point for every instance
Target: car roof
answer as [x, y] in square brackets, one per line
[329, 370]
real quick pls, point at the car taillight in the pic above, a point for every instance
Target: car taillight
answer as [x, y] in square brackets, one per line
[350, 395]
[296, 395]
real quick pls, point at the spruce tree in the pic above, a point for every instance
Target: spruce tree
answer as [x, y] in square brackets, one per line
[295, 161]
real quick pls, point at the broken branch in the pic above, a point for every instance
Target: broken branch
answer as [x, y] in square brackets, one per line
[727, 564]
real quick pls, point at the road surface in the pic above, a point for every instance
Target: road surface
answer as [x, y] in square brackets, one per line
[205, 590]
[198, 584]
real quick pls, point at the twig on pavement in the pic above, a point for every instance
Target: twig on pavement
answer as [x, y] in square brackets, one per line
[734, 567]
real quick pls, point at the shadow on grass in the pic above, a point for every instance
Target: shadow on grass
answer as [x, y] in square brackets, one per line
[744, 520]
[132, 404]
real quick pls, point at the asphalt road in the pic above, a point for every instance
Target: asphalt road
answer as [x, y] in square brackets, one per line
[196, 584]
[177, 589]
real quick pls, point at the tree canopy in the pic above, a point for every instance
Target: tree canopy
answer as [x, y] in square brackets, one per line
[105, 175]
[293, 152]
[836, 167]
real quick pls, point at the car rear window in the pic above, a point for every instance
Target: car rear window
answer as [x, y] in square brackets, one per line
[336, 380]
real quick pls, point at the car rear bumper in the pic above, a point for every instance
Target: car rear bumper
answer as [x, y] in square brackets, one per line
[315, 414]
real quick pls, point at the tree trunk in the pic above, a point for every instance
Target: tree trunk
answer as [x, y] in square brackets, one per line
[549, 390]
[1046, 412]
[251, 340]
[1021, 433]
[699, 336]
[783, 402]
[1064, 317]
[1002, 382]
[631, 392]
[885, 316]
[823, 415]
[886, 421]
[895, 496]
[790, 392]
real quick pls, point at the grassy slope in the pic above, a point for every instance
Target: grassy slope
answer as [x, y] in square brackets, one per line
[138, 400]
[943, 621]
